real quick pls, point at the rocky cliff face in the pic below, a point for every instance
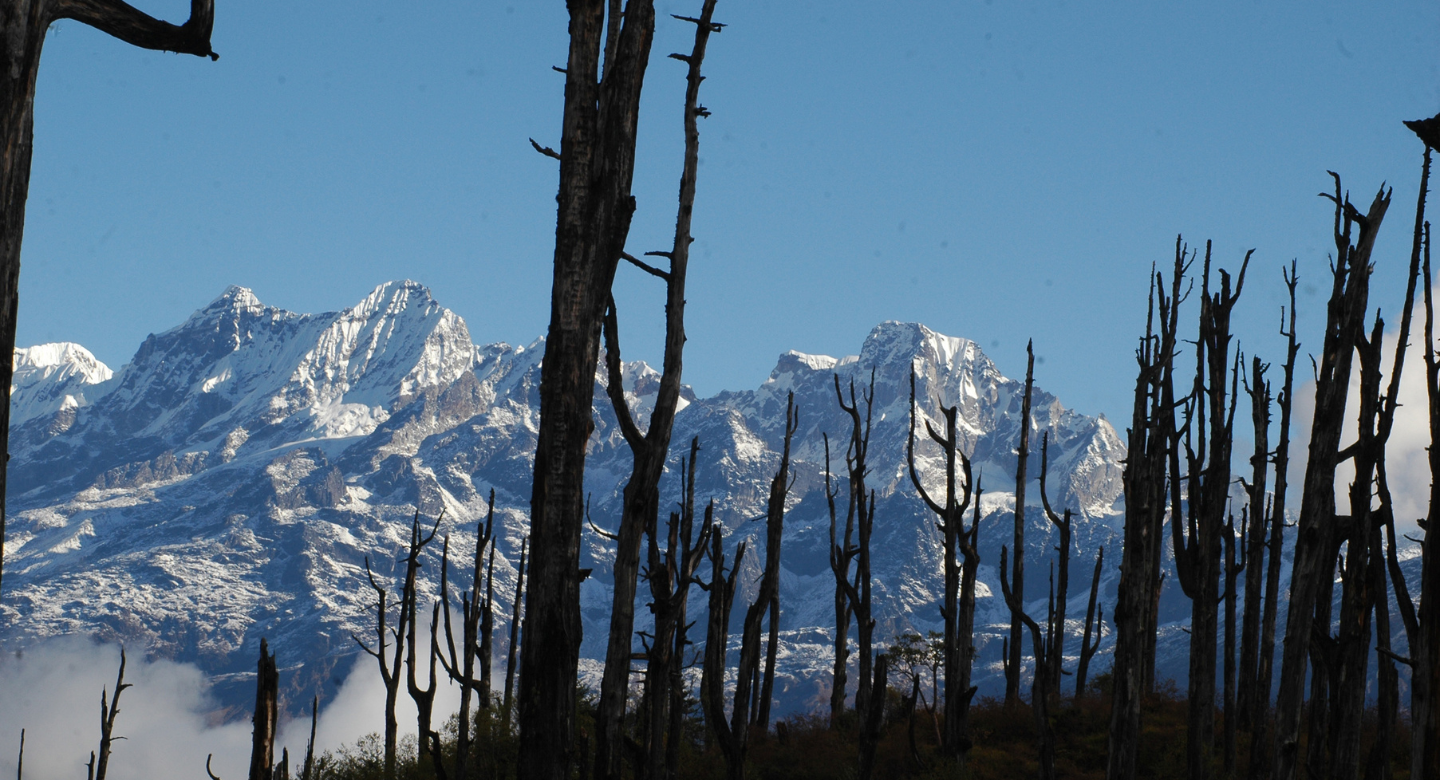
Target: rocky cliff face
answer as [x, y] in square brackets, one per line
[231, 481]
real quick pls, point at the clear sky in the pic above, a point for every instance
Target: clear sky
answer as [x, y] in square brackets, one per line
[996, 170]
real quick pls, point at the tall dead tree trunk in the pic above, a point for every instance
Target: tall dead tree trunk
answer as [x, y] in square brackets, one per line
[1197, 563]
[1040, 686]
[111, 708]
[872, 718]
[861, 506]
[460, 668]
[842, 552]
[1062, 586]
[958, 638]
[732, 735]
[1094, 624]
[641, 502]
[1253, 551]
[1233, 568]
[1344, 323]
[597, 164]
[262, 746]
[1260, 762]
[513, 651]
[1017, 575]
[669, 578]
[1150, 439]
[23, 27]
[424, 698]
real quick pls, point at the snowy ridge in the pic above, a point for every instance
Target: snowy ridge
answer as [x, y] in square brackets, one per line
[230, 481]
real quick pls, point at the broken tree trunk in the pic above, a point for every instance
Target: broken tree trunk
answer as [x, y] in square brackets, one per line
[1039, 689]
[1253, 551]
[1017, 576]
[731, 735]
[1344, 323]
[262, 746]
[108, 711]
[842, 552]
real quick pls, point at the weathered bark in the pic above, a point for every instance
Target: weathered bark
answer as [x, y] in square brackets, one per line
[597, 164]
[1017, 575]
[307, 770]
[1254, 549]
[1260, 763]
[23, 25]
[1094, 624]
[1056, 640]
[1344, 322]
[515, 622]
[1040, 686]
[1387, 699]
[1149, 443]
[958, 637]
[262, 745]
[111, 708]
[731, 735]
[669, 578]
[872, 718]
[641, 498]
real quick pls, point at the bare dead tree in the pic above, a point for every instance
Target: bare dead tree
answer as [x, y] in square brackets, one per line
[1017, 576]
[732, 735]
[1209, 427]
[842, 552]
[460, 667]
[23, 26]
[669, 577]
[515, 621]
[641, 502]
[20, 760]
[749, 664]
[860, 506]
[1260, 762]
[1150, 441]
[1094, 625]
[262, 746]
[958, 609]
[1062, 586]
[424, 698]
[872, 718]
[597, 164]
[1040, 685]
[109, 709]
[1253, 547]
[307, 771]
[1313, 543]
[1233, 568]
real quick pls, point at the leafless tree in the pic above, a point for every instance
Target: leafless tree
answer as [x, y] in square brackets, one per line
[262, 747]
[1253, 547]
[1260, 763]
[307, 771]
[873, 717]
[515, 621]
[842, 552]
[1040, 684]
[1017, 575]
[424, 698]
[669, 576]
[958, 609]
[597, 165]
[1313, 544]
[109, 709]
[460, 667]
[732, 735]
[860, 506]
[1062, 587]
[1234, 567]
[649, 449]
[23, 25]
[1094, 625]
[1150, 442]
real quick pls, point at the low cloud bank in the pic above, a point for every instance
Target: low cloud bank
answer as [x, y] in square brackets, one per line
[52, 690]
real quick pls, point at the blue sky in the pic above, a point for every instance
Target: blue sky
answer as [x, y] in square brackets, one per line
[999, 171]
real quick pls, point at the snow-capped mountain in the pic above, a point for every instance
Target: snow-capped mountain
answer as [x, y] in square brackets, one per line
[231, 481]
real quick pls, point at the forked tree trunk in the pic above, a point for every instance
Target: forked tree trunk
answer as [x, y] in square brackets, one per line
[1056, 640]
[23, 28]
[597, 165]
[860, 507]
[1092, 626]
[1348, 303]
[1149, 443]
